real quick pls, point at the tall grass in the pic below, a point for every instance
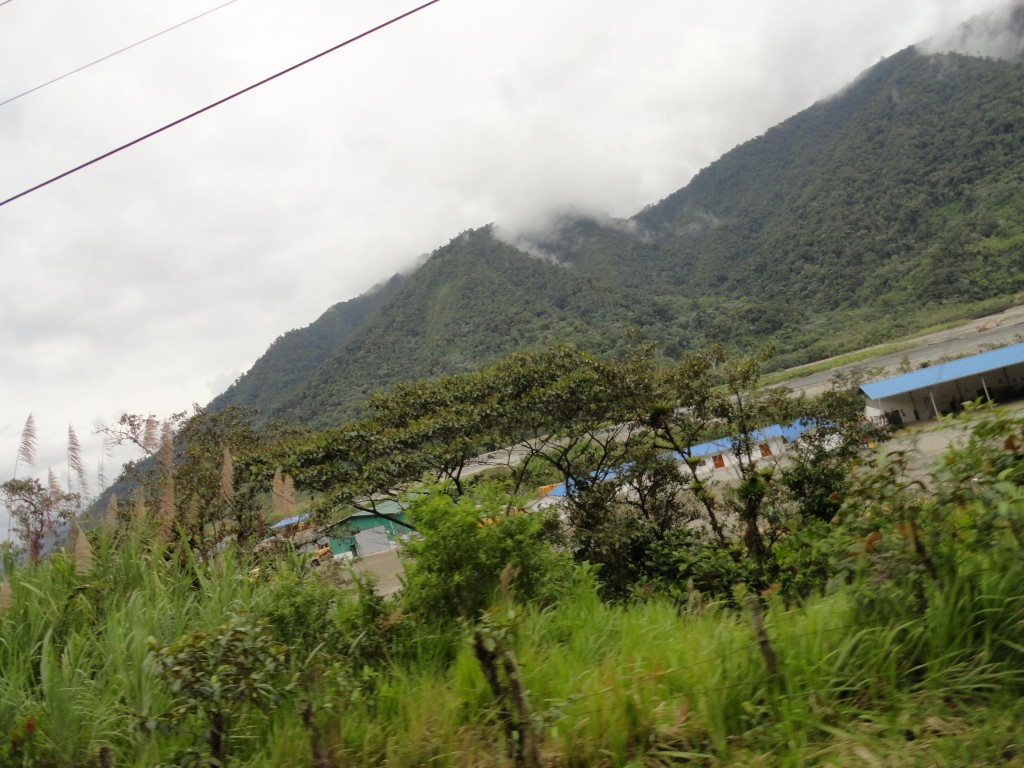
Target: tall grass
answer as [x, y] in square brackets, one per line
[617, 685]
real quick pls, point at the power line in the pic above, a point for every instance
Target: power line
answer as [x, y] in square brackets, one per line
[217, 103]
[115, 53]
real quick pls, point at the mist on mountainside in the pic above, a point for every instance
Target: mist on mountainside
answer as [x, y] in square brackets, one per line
[891, 207]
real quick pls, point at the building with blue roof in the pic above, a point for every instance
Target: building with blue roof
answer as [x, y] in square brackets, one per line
[996, 375]
[767, 444]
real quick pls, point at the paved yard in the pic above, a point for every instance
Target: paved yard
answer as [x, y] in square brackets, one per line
[385, 567]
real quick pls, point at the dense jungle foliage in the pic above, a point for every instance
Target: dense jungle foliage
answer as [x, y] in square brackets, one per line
[893, 206]
[883, 628]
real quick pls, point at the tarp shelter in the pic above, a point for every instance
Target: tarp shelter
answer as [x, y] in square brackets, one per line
[289, 521]
[996, 375]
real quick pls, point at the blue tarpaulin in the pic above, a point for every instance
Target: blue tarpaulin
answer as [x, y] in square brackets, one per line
[289, 521]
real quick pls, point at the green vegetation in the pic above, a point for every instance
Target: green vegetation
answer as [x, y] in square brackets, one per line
[907, 651]
[893, 207]
[617, 433]
[824, 605]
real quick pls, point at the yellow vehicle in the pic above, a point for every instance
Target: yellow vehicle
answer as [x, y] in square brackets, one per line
[321, 556]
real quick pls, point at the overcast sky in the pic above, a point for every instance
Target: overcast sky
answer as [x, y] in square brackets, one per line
[153, 279]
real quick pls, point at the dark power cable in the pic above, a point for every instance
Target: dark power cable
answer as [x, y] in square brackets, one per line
[115, 53]
[207, 108]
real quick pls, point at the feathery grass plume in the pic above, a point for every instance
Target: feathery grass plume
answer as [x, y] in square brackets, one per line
[165, 460]
[192, 522]
[288, 496]
[75, 463]
[27, 445]
[227, 478]
[6, 596]
[276, 492]
[52, 481]
[151, 435]
[283, 490]
[106, 452]
[139, 511]
[78, 544]
[110, 517]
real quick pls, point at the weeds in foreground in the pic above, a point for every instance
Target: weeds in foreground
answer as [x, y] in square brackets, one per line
[913, 657]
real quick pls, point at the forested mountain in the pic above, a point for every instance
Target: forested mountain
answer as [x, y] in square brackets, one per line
[895, 204]
[295, 356]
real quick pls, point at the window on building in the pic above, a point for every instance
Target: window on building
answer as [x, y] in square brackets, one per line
[766, 450]
[718, 460]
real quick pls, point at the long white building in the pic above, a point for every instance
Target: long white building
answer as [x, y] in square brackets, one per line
[996, 375]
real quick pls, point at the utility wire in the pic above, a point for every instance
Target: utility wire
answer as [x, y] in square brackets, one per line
[115, 53]
[207, 108]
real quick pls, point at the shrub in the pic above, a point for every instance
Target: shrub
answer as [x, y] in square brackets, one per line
[453, 571]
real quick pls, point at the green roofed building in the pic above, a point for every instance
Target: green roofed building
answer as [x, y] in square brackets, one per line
[364, 532]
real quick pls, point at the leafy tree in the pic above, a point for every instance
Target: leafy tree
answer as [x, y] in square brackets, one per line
[441, 424]
[817, 470]
[745, 408]
[37, 511]
[343, 465]
[571, 410]
[197, 475]
[545, 406]
[619, 434]
[685, 412]
[454, 570]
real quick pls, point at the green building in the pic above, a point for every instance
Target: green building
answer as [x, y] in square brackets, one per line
[363, 532]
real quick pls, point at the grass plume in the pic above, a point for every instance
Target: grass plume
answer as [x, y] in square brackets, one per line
[75, 463]
[27, 445]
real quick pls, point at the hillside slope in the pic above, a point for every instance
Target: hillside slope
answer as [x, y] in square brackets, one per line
[296, 355]
[893, 205]
[475, 300]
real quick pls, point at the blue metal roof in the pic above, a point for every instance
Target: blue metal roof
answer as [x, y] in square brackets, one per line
[721, 445]
[724, 444]
[607, 474]
[945, 372]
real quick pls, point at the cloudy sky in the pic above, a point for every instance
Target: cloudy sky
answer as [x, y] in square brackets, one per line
[152, 279]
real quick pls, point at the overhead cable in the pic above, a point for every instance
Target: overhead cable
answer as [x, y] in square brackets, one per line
[115, 53]
[217, 103]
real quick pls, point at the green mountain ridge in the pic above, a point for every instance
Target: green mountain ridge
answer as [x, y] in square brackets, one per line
[895, 203]
[475, 300]
[296, 355]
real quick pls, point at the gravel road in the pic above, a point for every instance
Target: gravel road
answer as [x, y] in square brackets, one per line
[970, 338]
